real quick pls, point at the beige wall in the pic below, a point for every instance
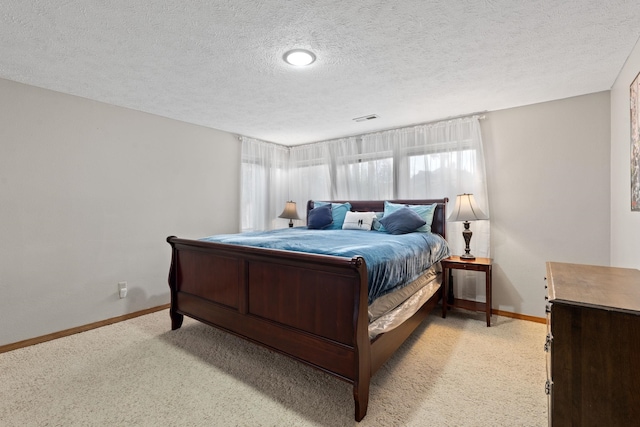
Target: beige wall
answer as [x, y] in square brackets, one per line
[625, 225]
[548, 181]
[90, 191]
[88, 194]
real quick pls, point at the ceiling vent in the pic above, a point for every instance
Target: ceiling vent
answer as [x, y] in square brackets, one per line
[365, 118]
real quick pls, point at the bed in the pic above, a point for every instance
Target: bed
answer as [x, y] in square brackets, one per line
[312, 307]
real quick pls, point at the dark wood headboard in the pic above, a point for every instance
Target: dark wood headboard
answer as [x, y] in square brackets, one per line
[439, 218]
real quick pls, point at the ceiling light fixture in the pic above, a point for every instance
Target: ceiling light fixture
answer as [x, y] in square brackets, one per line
[299, 57]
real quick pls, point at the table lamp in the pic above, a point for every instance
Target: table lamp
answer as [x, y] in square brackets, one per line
[466, 210]
[290, 212]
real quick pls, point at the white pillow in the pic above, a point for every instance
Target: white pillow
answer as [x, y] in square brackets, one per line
[358, 221]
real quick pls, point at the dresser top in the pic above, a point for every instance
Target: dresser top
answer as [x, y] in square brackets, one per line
[612, 288]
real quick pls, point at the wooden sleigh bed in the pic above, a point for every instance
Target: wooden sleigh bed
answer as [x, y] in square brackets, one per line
[313, 308]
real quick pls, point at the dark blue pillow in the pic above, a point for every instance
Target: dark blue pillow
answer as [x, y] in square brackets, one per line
[402, 221]
[338, 212]
[319, 217]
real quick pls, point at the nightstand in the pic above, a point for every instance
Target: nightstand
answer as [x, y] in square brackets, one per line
[478, 264]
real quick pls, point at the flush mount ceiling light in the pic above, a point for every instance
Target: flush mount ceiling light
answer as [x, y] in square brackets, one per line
[299, 57]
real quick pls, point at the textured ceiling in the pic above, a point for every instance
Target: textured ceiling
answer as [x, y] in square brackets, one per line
[219, 63]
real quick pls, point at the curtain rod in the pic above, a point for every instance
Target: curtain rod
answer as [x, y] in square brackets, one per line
[479, 114]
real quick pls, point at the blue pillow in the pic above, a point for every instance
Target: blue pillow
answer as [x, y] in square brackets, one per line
[426, 212]
[319, 217]
[402, 221]
[338, 211]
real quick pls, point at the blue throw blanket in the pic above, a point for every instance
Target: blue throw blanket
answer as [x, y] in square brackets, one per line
[392, 260]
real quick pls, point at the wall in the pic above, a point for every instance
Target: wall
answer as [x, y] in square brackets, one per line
[625, 225]
[88, 194]
[548, 181]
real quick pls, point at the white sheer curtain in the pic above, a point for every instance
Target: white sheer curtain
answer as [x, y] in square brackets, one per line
[310, 174]
[314, 172]
[264, 184]
[428, 161]
[364, 171]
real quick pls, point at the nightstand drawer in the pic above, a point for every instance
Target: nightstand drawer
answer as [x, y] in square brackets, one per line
[463, 266]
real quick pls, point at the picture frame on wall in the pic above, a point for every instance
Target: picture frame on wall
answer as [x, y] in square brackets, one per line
[635, 144]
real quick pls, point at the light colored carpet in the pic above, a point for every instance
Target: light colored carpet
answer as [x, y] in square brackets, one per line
[451, 372]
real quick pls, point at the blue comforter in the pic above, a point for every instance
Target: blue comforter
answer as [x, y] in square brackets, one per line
[392, 260]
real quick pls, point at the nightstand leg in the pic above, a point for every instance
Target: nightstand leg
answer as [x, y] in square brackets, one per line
[451, 298]
[445, 292]
[488, 291]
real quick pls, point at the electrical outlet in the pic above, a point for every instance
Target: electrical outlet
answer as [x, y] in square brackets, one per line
[122, 289]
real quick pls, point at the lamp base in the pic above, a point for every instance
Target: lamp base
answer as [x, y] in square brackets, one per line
[466, 234]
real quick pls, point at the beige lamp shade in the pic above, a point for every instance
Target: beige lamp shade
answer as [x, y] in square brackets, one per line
[466, 209]
[290, 212]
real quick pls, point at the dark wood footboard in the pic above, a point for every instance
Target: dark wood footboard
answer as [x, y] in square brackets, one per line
[310, 307]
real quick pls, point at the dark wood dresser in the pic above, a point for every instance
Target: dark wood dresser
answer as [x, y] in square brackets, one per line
[593, 345]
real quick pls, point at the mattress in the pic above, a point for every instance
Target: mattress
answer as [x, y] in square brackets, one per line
[392, 310]
[388, 302]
